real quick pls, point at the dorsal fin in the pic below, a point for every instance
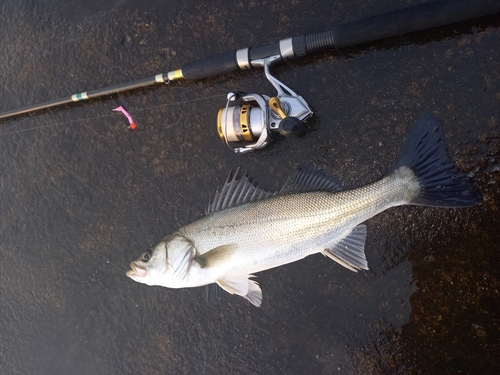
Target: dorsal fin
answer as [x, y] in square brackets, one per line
[305, 179]
[238, 189]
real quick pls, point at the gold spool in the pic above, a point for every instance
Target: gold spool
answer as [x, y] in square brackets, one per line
[219, 124]
[244, 122]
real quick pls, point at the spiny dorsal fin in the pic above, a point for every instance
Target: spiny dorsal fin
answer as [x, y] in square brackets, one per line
[238, 189]
[305, 179]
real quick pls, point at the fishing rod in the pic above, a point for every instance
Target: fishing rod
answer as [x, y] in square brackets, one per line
[251, 121]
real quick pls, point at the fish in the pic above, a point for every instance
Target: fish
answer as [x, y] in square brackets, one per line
[246, 229]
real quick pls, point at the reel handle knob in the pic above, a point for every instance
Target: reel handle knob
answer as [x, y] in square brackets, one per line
[291, 127]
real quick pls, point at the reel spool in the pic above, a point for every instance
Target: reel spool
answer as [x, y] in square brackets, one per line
[252, 121]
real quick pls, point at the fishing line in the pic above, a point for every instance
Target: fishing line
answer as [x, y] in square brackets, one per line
[114, 115]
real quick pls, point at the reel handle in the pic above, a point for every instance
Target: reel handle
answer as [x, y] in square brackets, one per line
[275, 105]
[289, 126]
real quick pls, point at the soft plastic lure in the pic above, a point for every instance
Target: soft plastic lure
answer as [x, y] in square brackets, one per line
[129, 117]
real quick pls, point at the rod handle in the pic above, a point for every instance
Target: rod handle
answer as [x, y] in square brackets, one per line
[209, 66]
[411, 19]
[226, 62]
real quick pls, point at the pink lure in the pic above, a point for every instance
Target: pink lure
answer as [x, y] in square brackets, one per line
[130, 119]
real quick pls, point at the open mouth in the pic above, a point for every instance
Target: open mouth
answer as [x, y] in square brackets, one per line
[136, 271]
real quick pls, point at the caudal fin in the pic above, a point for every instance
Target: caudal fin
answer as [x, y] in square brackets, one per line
[442, 183]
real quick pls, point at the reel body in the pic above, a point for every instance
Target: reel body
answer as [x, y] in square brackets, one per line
[252, 121]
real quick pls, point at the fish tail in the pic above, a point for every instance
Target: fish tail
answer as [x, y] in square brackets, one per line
[442, 183]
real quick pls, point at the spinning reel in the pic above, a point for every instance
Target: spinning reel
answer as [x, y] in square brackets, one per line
[251, 121]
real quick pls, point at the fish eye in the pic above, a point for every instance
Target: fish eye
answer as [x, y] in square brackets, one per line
[146, 256]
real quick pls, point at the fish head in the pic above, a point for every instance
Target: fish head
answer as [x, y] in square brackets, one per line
[150, 267]
[165, 264]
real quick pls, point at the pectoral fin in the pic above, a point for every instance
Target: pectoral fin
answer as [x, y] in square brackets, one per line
[241, 285]
[350, 251]
[219, 254]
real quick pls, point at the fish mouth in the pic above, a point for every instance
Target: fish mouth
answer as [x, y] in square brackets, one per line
[136, 272]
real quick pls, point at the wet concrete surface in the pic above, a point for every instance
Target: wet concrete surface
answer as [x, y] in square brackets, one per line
[81, 195]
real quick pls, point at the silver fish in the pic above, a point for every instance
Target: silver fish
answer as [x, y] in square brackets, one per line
[247, 230]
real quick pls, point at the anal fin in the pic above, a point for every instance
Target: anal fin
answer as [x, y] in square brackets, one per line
[241, 285]
[350, 251]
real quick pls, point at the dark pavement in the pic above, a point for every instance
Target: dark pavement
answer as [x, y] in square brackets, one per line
[81, 195]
